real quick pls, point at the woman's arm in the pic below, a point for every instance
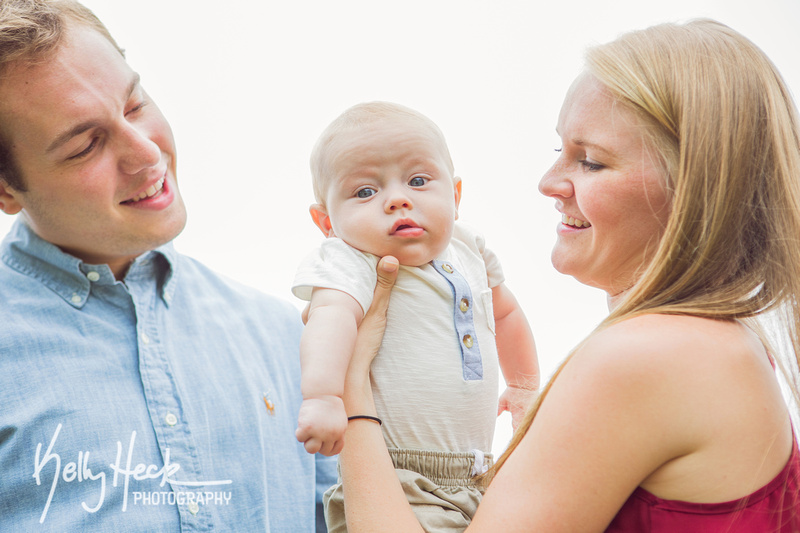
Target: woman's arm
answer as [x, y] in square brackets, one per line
[374, 498]
[614, 416]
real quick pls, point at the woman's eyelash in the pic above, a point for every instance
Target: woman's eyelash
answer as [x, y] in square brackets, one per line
[590, 165]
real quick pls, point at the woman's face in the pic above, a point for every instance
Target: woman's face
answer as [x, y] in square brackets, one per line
[609, 188]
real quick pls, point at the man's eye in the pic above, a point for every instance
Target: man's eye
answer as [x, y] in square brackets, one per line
[86, 151]
[135, 109]
[366, 192]
[417, 182]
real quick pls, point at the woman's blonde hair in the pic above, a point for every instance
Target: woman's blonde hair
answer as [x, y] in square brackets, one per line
[719, 115]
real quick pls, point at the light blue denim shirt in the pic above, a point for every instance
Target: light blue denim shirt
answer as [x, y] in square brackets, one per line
[167, 402]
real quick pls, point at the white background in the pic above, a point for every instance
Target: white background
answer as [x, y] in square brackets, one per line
[248, 86]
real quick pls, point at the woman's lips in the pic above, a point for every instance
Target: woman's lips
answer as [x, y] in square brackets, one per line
[574, 222]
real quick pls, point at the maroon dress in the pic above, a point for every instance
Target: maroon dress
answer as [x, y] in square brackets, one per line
[774, 508]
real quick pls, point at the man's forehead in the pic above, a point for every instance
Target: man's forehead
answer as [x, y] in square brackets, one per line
[38, 95]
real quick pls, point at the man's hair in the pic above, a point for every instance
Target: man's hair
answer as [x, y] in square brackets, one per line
[353, 118]
[30, 33]
[718, 114]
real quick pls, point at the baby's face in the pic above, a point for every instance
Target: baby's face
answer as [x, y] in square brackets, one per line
[392, 191]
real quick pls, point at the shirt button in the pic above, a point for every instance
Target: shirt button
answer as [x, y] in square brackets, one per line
[167, 297]
[193, 507]
[93, 276]
[76, 299]
[447, 268]
[145, 338]
[171, 419]
[467, 340]
[464, 305]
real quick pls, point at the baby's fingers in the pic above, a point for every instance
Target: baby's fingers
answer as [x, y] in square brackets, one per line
[332, 447]
[313, 445]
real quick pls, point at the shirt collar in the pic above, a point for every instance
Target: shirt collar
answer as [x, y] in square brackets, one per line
[70, 277]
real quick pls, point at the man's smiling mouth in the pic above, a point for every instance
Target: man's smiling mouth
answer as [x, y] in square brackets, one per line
[149, 193]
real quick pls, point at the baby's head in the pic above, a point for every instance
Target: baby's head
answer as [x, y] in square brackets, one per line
[384, 183]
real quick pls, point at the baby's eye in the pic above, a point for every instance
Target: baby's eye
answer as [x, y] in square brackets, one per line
[418, 181]
[366, 192]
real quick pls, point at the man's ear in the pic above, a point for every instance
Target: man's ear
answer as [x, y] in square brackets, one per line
[8, 199]
[321, 219]
[457, 187]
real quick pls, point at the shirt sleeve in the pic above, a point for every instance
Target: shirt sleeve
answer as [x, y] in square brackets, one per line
[337, 265]
[476, 241]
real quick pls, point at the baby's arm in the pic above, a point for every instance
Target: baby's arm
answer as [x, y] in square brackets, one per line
[325, 349]
[516, 351]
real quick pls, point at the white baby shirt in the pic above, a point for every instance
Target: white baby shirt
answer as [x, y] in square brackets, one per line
[435, 379]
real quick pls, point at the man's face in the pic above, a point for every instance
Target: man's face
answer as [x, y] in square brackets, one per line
[96, 155]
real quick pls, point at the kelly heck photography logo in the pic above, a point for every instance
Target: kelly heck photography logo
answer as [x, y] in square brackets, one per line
[80, 471]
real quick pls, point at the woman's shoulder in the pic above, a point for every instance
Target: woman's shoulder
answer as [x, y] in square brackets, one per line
[706, 388]
[673, 364]
[676, 340]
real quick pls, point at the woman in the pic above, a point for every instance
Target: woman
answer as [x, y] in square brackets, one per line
[678, 185]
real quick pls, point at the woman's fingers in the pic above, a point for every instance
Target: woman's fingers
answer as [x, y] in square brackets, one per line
[358, 394]
[387, 274]
[370, 332]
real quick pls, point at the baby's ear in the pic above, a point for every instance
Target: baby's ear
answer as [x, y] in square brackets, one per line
[457, 193]
[321, 219]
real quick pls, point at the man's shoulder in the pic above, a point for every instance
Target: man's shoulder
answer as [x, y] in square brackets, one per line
[202, 280]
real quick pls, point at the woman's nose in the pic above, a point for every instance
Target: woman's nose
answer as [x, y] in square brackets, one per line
[555, 182]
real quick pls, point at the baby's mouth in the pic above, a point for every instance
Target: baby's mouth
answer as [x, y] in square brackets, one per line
[406, 228]
[404, 224]
[574, 222]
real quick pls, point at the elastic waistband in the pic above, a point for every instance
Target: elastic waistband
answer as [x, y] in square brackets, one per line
[446, 469]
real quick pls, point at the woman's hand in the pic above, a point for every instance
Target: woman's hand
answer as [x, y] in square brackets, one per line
[357, 391]
[375, 499]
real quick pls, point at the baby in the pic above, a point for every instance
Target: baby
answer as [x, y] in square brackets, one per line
[385, 185]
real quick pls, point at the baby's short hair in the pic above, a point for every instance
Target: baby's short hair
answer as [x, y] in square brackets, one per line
[357, 116]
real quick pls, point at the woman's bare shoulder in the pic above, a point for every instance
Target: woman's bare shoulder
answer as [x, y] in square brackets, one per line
[670, 365]
[675, 341]
[703, 389]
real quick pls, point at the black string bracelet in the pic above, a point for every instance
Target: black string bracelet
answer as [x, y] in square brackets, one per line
[365, 417]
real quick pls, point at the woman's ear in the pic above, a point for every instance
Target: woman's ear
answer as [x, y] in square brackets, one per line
[321, 219]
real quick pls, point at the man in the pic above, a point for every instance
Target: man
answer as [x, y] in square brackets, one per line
[139, 390]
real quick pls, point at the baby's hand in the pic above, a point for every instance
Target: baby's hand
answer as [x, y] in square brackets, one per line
[516, 401]
[321, 425]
